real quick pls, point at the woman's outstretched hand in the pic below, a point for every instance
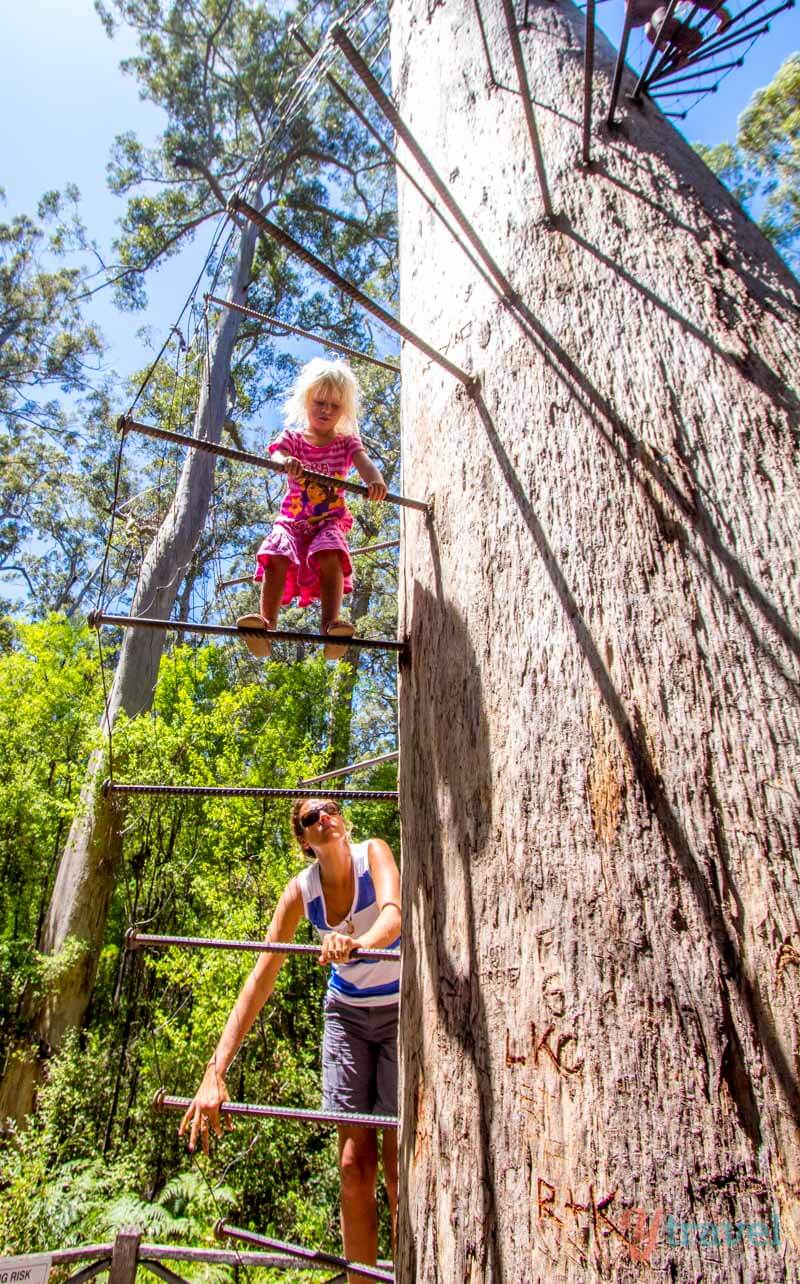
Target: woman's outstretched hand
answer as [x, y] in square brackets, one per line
[203, 1115]
[337, 948]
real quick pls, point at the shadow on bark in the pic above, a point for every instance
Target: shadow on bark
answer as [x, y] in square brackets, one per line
[704, 516]
[635, 457]
[633, 737]
[632, 452]
[452, 769]
[749, 365]
[781, 304]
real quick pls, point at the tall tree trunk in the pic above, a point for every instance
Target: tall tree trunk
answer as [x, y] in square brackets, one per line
[601, 980]
[76, 919]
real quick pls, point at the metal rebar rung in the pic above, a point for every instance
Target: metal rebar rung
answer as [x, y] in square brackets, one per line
[721, 41]
[248, 791]
[97, 618]
[527, 103]
[142, 940]
[708, 50]
[683, 93]
[642, 81]
[353, 767]
[375, 548]
[239, 579]
[588, 82]
[695, 75]
[619, 66]
[125, 424]
[222, 1230]
[343, 1118]
[304, 334]
[363, 300]
[386, 106]
[392, 156]
[669, 50]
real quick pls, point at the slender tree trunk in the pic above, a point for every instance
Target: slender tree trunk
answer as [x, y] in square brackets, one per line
[601, 980]
[76, 919]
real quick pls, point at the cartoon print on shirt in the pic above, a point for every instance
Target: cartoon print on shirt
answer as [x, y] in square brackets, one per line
[313, 503]
[317, 502]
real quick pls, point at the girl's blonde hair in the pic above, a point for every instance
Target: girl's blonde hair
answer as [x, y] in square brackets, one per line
[322, 374]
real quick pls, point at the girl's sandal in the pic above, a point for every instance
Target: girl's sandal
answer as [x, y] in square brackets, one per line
[338, 629]
[257, 646]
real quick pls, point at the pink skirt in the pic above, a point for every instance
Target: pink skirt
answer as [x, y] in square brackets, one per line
[299, 543]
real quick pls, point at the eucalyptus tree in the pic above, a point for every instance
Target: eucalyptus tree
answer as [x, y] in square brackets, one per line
[45, 343]
[51, 491]
[601, 717]
[220, 70]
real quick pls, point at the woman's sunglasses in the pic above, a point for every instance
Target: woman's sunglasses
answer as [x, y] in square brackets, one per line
[311, 817]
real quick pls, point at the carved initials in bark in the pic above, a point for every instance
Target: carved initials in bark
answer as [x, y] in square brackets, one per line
[639, 1244]
[600, 721]
[540, 1044]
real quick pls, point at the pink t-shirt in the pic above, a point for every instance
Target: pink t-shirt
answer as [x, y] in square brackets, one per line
[307, 500]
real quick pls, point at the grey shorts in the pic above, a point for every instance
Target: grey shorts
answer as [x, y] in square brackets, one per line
[359, 1058]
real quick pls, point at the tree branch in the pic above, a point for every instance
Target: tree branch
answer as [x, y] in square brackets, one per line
[134, 271]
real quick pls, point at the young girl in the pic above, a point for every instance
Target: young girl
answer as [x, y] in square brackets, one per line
[306, 554]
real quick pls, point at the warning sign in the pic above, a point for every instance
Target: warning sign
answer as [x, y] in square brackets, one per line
[33, 1269]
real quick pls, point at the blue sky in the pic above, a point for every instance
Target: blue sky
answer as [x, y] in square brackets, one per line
[63, 100]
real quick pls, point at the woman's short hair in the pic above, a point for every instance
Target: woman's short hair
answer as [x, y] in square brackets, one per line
[321, 374]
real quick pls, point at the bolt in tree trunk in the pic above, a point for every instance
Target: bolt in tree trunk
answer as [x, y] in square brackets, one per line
[76, 918]
[601, 976]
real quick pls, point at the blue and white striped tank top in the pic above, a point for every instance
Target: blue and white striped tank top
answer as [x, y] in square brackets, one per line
[364, 982]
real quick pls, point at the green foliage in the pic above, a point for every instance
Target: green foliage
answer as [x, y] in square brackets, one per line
[58, 1190]
[50, 700]
[763, 165]
[94, 1155]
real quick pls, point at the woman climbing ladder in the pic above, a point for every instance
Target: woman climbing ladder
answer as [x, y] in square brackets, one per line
[351, 894]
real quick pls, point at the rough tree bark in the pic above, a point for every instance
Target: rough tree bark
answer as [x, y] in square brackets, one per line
[601, 981]
[76, 918]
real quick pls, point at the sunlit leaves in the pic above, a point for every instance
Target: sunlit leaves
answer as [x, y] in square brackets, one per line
[43, 339]
[190, 867]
